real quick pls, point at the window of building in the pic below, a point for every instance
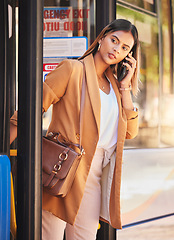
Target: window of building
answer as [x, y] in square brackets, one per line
[148, 97]
[167, 78]
[148, 177]
[145, 4]
[156, 97]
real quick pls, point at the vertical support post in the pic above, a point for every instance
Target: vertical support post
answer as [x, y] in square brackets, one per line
[112, 233]
[4, 80]
[105, 13]
[29, 185]
[12, 56]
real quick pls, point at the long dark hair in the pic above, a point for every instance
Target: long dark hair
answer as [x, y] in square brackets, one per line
[119, 25]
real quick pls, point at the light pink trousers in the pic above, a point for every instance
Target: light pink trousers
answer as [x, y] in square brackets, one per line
[86, 222]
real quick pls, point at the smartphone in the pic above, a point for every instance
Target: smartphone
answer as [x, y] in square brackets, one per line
[123, 71]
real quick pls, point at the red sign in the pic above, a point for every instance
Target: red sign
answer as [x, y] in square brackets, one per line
[49, 67]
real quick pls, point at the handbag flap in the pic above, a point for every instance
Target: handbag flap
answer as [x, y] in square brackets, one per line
[52, 155]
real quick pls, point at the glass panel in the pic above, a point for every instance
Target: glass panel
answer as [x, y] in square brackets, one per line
[148, 176]
[69, 28]
[162, 229]
[167, 98]
[145, 4]
[147, 184]
[148, 97]
[172, 8]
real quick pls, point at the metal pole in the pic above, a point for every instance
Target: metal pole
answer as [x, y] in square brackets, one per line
[105, 13]
[102, 15]
[4, 81]
[29, 191]
[112, 233]
[12, 57]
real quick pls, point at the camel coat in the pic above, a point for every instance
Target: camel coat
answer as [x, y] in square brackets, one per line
[62, 88]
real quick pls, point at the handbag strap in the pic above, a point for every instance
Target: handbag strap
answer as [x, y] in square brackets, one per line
[55, 135]
[82, 106]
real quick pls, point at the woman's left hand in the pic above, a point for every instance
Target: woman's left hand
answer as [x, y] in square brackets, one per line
[130, 65]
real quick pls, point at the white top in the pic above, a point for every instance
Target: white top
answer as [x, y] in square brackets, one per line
[108, 119]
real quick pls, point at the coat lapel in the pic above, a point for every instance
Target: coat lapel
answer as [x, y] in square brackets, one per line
[93, 88]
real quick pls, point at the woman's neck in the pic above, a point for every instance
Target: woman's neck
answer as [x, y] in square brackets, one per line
[100, 65]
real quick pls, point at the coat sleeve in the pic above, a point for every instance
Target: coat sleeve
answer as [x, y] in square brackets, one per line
[132, 123]
[54, 86]
[56, 83]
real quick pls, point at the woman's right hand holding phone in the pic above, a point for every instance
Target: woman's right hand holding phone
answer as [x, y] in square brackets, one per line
[125, 84]
[130, 65]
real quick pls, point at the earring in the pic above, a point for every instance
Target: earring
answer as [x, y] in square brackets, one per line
[99, 46]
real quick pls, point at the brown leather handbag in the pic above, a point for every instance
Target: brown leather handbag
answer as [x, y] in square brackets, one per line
[60, 158]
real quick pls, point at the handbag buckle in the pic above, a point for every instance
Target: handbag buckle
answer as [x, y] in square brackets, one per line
[57, 167]
[63, 156]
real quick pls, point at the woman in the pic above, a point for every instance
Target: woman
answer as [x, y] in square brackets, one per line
[109, 117]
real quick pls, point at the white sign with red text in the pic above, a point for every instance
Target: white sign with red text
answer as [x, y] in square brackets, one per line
[47, 68]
